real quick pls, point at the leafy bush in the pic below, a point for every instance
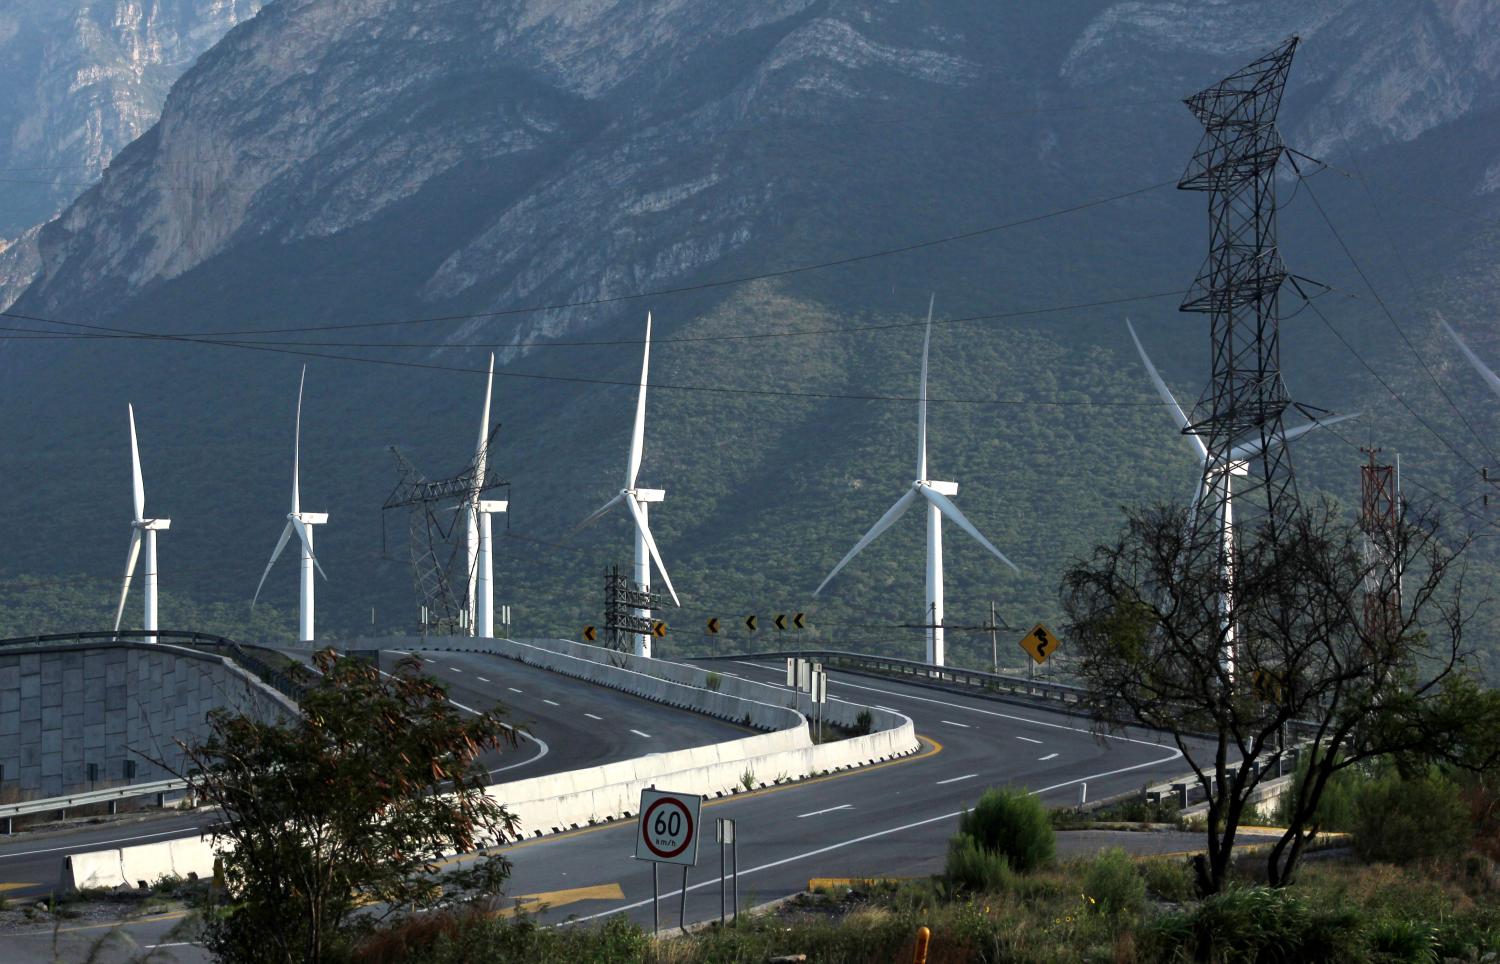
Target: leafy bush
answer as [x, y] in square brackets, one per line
[1336, 807]
[1111, 884]
[863, 723]
[714, 681]
[1014, 824]
[1255, 925]
[1169, 879]
[1406, 941]
[974, 868]
[1401, 820]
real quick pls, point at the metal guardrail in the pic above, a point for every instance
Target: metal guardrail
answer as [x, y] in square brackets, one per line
[282, 682]
[111, 796]
[978, 679]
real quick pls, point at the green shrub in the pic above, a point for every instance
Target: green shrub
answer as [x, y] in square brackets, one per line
[1336, 810]
[1401, 820]
[1111, 884]
[1014, 824]
[863, 723]
[714, 681]
[1255, 925]
[974, 868]
[1169, 879]
[1406, 941]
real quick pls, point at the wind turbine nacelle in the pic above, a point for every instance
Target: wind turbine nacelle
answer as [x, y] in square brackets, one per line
[650, 495]
[492, 506]
[942, 488]
[155, 525]
[313, 518]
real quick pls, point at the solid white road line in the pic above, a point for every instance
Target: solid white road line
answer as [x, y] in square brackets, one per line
[550, 702]
[1018, 719]
[1050, 756]
[639, 733]
[99, 844]
[1029, 740]
[760, 666]
[542, 748]
[961, 725]
[844, 806]
[966, 776]
[713, 882]
[593, 717]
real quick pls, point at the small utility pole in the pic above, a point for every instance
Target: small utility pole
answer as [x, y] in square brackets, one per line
[994, 641]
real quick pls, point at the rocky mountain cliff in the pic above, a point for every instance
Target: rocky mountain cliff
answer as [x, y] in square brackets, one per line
[337, 163]
[80, 79]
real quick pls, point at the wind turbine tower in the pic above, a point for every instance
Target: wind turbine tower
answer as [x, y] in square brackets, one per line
[636, 500]
[939, 504]
[479, 541]
[142, 530]
[301, 523]
[1220, 481]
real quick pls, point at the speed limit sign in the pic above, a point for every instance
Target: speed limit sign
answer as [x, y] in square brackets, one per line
[668, 832]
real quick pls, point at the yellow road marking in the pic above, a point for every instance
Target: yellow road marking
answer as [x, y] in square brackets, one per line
[561, 898]
[16, 886]
[129, 922]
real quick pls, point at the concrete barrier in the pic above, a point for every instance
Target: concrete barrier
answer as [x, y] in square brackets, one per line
[139, 866]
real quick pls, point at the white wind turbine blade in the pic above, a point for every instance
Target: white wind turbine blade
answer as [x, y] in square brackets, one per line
[131, 556]
[138, 486]
[297, 450]
[886, 521]
[640, 523]
[947, 508]
[1251, 449]
[597, 514]
[1178, 415]
[922, 397]
[306, 538]
[484, 431]
[1484, 370]
[275, 554]
[638, 436]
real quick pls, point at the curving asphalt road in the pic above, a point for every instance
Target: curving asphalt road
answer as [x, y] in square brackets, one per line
[889, 819]
[568, 725]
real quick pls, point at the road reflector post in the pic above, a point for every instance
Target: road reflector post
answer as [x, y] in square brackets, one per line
[924, 936]
[1083, 794]
[726, 837]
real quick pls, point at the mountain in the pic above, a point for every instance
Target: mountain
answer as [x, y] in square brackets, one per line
[79, 79]
[409, 184]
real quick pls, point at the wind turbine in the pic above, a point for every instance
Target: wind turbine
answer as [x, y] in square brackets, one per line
[1484, 370]
[1221, 480]
[142, 529]
[938, 505]
[480, 534]
[636, 501]
[301, 523]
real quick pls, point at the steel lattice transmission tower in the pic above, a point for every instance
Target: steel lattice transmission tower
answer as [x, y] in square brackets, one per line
[439, 569]
[1380, 518]
[1238, 287]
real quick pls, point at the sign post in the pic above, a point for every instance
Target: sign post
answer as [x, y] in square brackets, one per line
[819, 696]
[726, 838]
[668, 834]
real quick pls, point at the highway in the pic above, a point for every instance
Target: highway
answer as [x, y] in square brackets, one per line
[889, 819]
[569, 725]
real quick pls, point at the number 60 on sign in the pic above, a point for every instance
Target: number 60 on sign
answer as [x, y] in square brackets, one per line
[668, 828]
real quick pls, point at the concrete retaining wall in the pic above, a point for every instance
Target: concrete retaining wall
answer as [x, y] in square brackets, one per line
[64, 707]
